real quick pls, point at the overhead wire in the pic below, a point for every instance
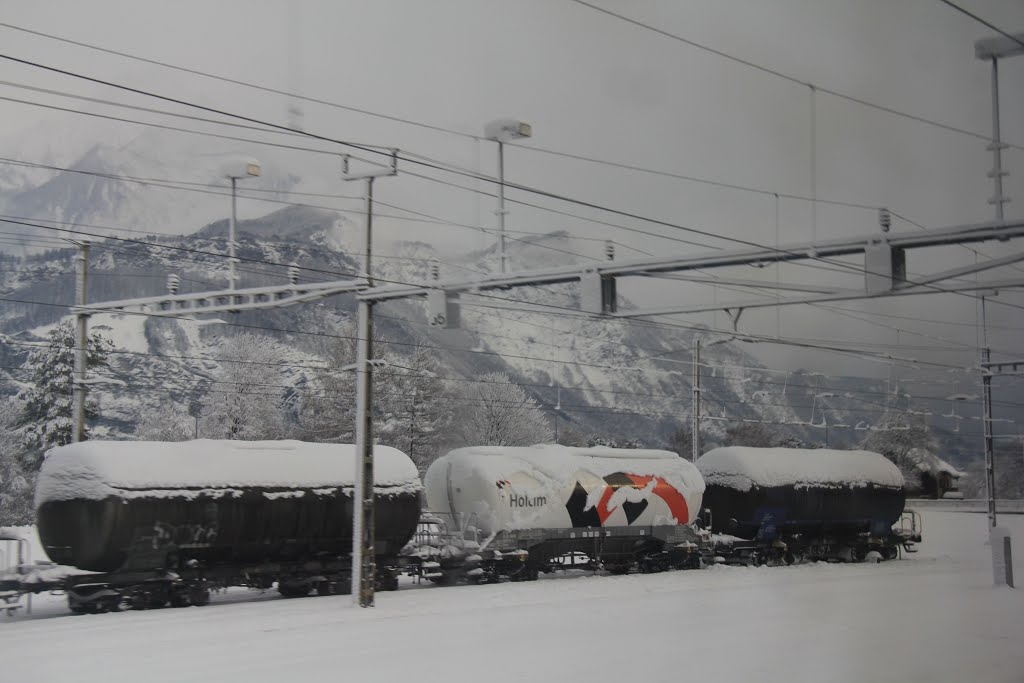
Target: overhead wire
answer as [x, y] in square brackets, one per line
[983, 22]
[785, 76]
[394, 154]
[602, 208]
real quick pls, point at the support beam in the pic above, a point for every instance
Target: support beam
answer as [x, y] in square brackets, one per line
[1006, 367]
[744, 282]
[952, 273]
[963, 234]
[254, 298]
[848, 295]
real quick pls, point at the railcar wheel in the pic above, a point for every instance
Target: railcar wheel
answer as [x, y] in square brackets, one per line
[199, 595]
[297, 589]
[180, 597]
[387, 582]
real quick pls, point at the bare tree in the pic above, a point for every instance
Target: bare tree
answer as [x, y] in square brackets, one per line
[1009, 471]
[166, 423]
[898, 433]
[247, 401]
[497, 412]
[327, 413]
[752, 435]
[611, 442]
[16, 473]
[681, 442]
[412, 416]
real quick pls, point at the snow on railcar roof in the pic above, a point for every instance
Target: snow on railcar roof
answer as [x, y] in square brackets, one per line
[98, 469]
[557, 450]
[740, 467]
[562, 462]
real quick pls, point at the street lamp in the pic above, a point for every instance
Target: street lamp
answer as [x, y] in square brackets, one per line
[501, 131]
[992, 50]
[236, 170]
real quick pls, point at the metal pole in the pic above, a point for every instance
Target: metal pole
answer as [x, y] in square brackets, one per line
[81, 343]
[986, 421]
[231, 236]
[363, 550]
[501, 206]
[814, 164]
[997, 172]
[696, 403]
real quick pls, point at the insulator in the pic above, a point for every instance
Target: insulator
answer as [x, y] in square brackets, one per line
[173, 283]
[884, 219]
[609, 250]
[435, 271]
[293, 273]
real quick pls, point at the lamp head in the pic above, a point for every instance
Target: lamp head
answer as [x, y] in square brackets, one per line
[504, 130]
[241, 168]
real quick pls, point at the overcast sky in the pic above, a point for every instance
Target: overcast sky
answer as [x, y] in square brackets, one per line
[594, 85]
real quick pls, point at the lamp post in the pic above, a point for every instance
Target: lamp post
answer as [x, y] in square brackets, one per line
[695, 435]
[235, 171]
[501, 131]
[992, 50]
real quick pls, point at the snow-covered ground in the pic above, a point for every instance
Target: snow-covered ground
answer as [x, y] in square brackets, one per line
[932, 617]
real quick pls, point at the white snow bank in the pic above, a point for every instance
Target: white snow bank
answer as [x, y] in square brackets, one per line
[741, 468]
[96, 470]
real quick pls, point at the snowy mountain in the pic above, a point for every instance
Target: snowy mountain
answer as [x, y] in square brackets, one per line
[610, 378]
[606, 377]
[138, 182]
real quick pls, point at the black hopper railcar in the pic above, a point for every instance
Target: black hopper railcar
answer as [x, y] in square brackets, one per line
[775, 505]
[161, 524]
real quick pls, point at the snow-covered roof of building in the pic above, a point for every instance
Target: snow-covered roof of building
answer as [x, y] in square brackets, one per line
[741, 468]
[95, 470]
[926, 461]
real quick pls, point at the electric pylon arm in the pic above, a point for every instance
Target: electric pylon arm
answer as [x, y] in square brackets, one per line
[884, 272]
[230, 300]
